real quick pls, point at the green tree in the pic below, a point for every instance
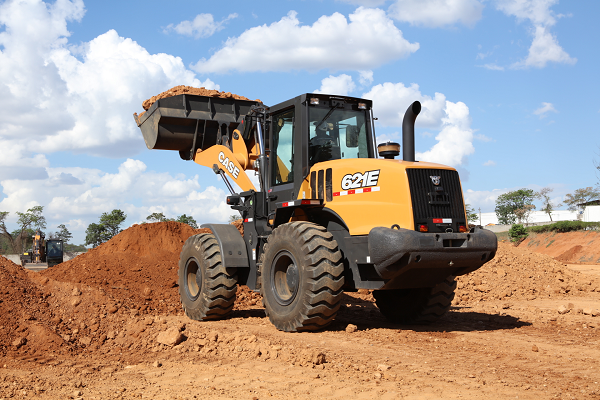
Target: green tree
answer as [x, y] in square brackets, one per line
[63, 234]
[8, 240]
[94, 234]
[524, 213]
[547, 204]
[517, 233]
[185, 219]
[576, 201]
[112, 222]
[234, 217]
[32, 218]
[108, 226]
[509, 206]
[472, 215]
[157, 217]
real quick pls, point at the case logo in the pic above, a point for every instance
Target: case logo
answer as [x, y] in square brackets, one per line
[229, 165]
[436, 180]
[360, 180]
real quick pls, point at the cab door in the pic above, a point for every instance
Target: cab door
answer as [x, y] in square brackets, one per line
[281, 157]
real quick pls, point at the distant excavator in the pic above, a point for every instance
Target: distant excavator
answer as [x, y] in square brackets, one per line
[43, 253]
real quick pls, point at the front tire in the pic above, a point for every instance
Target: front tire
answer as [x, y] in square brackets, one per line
[206, 288]
[302, 277]
[416, 306]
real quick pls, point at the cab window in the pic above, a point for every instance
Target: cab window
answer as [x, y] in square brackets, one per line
[336, 134]
[282, 149]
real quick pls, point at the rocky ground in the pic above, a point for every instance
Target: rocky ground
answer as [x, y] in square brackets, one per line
[108, 324]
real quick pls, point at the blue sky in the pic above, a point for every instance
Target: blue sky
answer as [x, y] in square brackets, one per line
[509, 88]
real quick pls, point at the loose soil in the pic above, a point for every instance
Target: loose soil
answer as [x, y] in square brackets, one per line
[181, 89]
[582, 247]
[108, 324]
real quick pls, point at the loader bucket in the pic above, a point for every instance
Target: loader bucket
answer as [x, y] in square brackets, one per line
[171, 123]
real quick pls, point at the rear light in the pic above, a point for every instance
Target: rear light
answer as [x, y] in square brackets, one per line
[423, 228]
[462, 229]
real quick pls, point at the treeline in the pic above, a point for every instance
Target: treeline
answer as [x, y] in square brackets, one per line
[516, 206]
[30, 221]
[110, 224]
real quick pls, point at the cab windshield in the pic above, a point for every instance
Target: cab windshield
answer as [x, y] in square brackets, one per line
[337, 134]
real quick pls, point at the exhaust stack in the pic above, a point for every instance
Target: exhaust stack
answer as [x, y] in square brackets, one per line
[408, 131]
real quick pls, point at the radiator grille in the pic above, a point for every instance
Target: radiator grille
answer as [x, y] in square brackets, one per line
[428, 203]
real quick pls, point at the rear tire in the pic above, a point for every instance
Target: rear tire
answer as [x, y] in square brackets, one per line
[206, 288]
[416, 306]
[302, 277]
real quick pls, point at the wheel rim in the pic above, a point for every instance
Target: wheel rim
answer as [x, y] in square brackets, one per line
[285, 279]
[193, 279]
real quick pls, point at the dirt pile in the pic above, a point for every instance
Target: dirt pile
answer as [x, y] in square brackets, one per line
[137, 268]
[181, 89]
[582, 247]
[121, 291]
[88, 300]
[25, 312]
[519, 274]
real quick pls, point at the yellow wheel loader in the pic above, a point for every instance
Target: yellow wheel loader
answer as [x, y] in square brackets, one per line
[333, 212]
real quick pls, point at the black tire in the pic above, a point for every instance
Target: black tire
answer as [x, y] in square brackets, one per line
[206, 288]
[302, 276]
[416, 306]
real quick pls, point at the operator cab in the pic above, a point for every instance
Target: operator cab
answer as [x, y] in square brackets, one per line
[313, 128]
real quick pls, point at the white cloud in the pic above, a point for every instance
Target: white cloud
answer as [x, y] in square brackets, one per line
[437, 13]
[392, 99]
[87, 193]
[544, 47]
[545, 109]
[366, 40]
[484, 199]
[455, 139]
[56, 97]
[493, 67]
[202, 26]
[340, 85]
[537, 11]
[366, 3]
[489, 163]
[365, 77]
[483, 138]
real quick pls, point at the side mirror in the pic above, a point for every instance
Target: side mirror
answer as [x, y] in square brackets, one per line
[352, 136]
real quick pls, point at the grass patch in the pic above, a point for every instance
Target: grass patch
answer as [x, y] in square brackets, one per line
[552, 241]
[502, 236]
[566, 226]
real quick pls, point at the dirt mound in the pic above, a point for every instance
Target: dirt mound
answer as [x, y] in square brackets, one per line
[82, 303]
[148, 240]
[582, 247]
[25, 315]
[181, 89]
[137, 268]
[519, 274]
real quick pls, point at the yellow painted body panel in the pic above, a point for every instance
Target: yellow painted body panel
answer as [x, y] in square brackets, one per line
[388, 205]
[221, 155]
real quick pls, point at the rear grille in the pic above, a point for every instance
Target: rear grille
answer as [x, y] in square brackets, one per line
[429, 203]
